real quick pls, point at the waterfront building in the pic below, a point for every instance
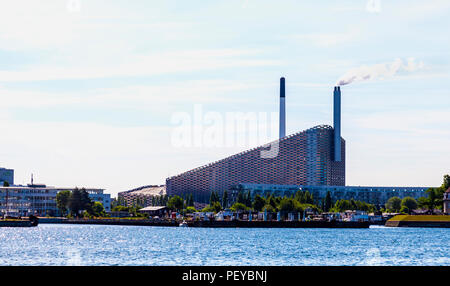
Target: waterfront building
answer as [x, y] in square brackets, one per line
[27, 200]
[447, 202]
[304, 158]
[142, 196]
[6, 175]
[160, 211]
[369, 194]
[313, 159]
[41, 199]
[98, 195]
[315, 156]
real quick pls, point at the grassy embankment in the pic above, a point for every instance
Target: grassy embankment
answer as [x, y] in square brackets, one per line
[421, 218]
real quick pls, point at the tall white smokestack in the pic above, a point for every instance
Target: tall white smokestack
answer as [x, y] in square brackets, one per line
[282, 109]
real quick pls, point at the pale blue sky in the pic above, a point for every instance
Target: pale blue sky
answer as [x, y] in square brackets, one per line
[87, 94]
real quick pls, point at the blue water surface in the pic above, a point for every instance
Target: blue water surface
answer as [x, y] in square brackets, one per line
[56, 244]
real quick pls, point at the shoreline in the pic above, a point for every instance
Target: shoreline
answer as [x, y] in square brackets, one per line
[211, 224]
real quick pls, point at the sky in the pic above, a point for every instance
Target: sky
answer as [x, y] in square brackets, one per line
[90, 90]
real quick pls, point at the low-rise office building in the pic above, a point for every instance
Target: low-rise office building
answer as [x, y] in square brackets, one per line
[98, 195]
[40, 200]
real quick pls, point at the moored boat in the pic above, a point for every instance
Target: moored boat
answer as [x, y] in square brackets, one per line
[19, 222]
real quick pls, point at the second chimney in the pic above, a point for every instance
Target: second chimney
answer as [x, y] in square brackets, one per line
[282, 109]
[337, 123]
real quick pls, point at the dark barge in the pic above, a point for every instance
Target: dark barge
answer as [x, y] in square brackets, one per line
[18, 222]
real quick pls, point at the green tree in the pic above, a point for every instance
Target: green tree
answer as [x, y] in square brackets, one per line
[248, 199]
[258, 203]
[394, 204]
[287, 205]
[175, 203]
[214, 207]
[85, 201]
[269, 208]
[240, 198]
[213, 198]
[5, 184]
[225, 199]
[304, 197]
[299, 196]
[328, 203]
[190, 209]
[190, 202]
[434, 199]
[239, 207]
[308, 198]
[120, 208]
[272, 201]
[75, 205]
[446, 183]
[422, 202]
[62, 201]
[343, 205]
[98, 210]
[409, 203]
[405, 210]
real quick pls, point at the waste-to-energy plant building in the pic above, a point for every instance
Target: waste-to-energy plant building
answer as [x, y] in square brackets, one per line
[313, 157]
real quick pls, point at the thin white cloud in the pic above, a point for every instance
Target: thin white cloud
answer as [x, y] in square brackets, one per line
[423, 123]
[326, 40]
[157, 97]
[145, 65]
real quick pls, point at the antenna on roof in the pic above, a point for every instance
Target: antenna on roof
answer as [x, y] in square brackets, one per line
[32, 179]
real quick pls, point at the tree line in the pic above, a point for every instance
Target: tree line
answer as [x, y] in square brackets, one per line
[298, 202]
[244, 201]
[77, 203]
[433, 200]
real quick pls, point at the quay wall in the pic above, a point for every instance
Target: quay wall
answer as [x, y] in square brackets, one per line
[280, 224]
[137, 222]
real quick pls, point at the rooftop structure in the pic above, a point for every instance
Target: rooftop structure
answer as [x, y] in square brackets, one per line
[6, 175]
[142, 196]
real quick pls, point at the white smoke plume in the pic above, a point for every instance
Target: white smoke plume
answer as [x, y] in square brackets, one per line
[379, 71]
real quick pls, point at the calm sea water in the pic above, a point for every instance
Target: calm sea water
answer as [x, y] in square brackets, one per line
[53, 244]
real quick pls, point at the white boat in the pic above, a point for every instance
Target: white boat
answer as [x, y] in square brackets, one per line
[183, 224]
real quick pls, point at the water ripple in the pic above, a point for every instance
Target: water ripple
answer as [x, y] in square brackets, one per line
[135, 245]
